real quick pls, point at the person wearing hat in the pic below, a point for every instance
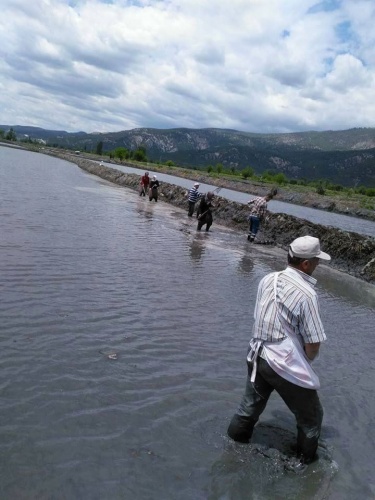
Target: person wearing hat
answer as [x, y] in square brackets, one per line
[258, 212]
[193, 196]
[153, 191]
[204, 214]
[286, 308]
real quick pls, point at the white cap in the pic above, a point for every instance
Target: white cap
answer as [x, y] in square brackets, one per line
[196, 184]
[307, 247]
[154, 176]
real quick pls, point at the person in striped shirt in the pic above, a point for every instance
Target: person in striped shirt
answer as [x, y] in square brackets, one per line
[193, 196]
[257, 213]
[297, 309]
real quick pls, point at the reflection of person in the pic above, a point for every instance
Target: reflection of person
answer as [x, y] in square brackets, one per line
[145, 181]
[246, 264]
[288, 304]
[204, 214]
[257, 213]
[153, 192]
[197, 248]
[193, 196]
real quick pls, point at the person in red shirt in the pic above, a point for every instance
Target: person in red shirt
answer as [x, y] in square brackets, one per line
[145, 181]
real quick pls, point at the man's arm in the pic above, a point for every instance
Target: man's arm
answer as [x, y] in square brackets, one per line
[312, 350]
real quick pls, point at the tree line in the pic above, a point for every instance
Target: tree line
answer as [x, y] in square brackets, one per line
[269, 176]
[321, 185]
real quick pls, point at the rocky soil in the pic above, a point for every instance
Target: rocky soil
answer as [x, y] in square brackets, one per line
[339, 203]
[351, 253]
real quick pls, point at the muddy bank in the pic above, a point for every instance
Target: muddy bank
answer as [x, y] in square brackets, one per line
[341, 204]
[307, 199]
[351, 253]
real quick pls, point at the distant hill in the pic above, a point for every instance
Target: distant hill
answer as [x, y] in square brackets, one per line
[344, 157]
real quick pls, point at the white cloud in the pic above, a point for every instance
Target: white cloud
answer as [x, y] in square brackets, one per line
[246, 64]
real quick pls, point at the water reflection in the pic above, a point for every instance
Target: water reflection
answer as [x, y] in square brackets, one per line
[197, 247]
[246, 264]
[145, 209]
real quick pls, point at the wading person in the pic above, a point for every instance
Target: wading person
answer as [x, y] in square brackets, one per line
[193, 196]
[204, 214]
[258, 212]
[287, 333]
[145, 181]
[153, 191]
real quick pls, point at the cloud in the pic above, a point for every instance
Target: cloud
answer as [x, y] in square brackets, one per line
[246, 64]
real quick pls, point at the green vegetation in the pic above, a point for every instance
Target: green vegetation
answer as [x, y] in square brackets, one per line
[322, 186]
[346, 158]
[360, 196]
[11, 135]
[99, 148]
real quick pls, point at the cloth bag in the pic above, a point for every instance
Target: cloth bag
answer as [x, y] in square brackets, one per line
[286, 357]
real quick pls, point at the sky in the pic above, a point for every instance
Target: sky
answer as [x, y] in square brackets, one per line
[265, 66]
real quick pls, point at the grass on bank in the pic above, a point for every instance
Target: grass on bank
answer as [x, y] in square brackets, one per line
[358, 196]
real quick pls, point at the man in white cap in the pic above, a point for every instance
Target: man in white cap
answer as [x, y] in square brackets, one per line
[193, 196]
[286, 309]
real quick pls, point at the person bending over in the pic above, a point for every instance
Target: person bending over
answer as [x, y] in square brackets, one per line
[257, 213]
[204, 214]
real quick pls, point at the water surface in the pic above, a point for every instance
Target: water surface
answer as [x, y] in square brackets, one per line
[340, 221]
[122, 351]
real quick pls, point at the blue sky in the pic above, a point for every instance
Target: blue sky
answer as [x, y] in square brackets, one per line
[252, 65]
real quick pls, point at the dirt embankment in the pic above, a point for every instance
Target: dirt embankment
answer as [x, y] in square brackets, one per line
[351, 252]
[340, 203]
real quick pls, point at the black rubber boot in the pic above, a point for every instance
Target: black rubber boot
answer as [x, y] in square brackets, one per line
[241, 428]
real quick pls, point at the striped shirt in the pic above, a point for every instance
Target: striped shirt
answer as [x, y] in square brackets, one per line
[298, 306]
[259, 206]
[194, 194]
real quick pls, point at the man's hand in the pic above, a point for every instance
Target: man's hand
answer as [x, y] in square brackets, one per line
[312, 350]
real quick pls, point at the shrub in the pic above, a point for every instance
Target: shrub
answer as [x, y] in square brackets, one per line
[280, 178]
[320, 189]
[337, 187]
[247, 172]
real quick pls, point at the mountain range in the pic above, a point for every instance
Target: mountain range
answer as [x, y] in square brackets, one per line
[344, 157]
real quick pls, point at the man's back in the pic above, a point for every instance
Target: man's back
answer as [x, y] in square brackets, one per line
[297, 308]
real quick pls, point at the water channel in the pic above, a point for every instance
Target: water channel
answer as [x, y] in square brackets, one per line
[345, 222]
[122, 352]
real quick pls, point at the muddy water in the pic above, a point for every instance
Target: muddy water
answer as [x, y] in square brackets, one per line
[340, 221]
[122, 352]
